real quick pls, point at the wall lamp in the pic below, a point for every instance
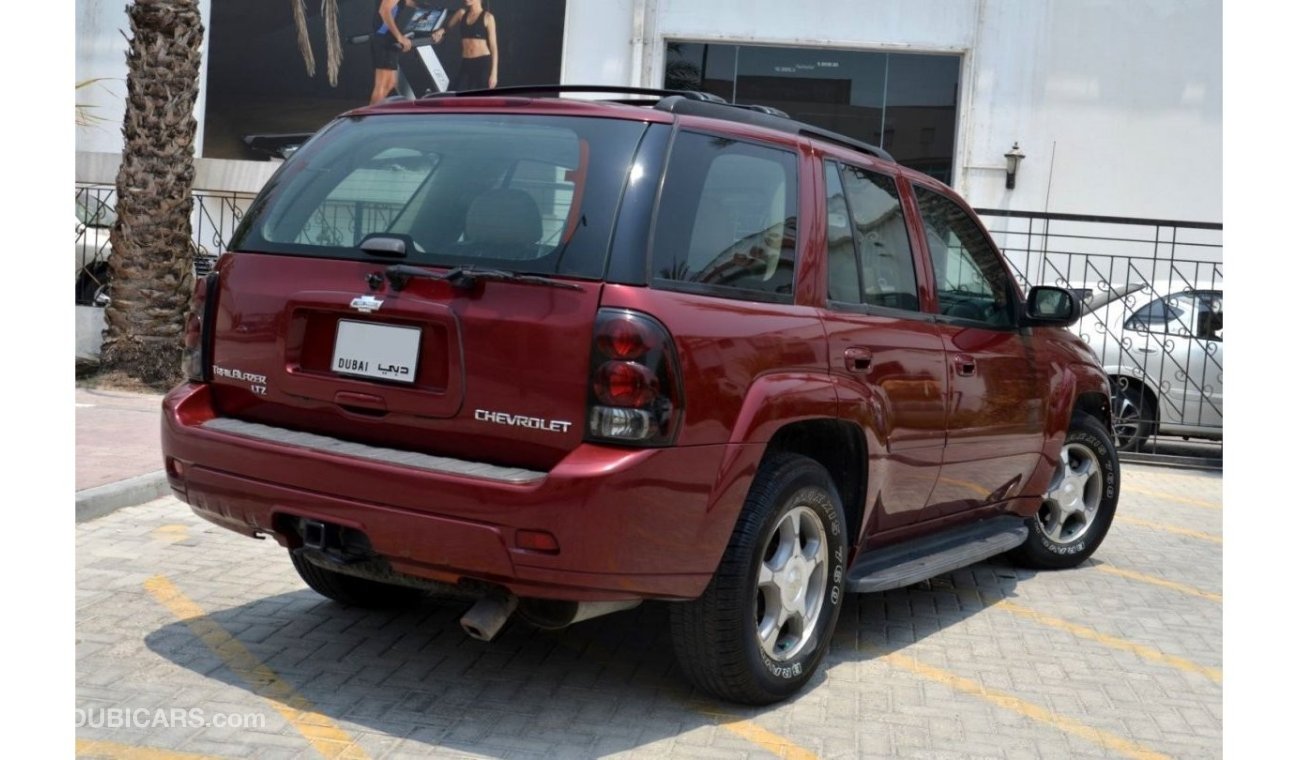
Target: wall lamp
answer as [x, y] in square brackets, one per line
[1014, 157]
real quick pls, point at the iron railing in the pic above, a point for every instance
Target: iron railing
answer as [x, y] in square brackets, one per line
[1152, 291]
[212, 222]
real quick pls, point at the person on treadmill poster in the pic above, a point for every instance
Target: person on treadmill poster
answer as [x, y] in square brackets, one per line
[480, 55]
[386, 44]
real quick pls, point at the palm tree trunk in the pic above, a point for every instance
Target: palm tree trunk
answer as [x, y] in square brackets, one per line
[151, 269]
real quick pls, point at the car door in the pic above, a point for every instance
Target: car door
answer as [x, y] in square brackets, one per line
[996, 408]
[886, 355]
[1177, 343]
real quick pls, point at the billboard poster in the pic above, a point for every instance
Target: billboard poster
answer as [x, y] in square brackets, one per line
[281, 69]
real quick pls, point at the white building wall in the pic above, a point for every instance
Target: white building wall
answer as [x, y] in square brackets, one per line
[102, 32]
[1117, 104]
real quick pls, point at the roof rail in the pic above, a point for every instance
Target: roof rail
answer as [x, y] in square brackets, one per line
[765, 116]
[691, 102]
[542, 89]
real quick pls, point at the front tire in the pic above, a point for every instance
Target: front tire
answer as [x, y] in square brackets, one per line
[764, 624]
[1135, 416]
[1079, 505]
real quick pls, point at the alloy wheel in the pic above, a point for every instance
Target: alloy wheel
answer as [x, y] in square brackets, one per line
[791, 584]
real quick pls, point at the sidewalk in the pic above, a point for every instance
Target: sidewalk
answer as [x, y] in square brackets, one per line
[119, 458]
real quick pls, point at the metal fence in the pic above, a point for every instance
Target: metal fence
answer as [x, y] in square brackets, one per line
[1152, 291]
[212, 222]
[1153, 303]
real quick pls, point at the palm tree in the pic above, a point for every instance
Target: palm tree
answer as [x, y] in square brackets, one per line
[333, 44]
[152, 266]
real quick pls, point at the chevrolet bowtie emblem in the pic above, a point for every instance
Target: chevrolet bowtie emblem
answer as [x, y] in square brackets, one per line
[366, 304]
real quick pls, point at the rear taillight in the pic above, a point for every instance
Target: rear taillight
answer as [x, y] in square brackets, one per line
[635, 394]
[196, 360]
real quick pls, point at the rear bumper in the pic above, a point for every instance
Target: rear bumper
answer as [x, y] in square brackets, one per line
[630, 523]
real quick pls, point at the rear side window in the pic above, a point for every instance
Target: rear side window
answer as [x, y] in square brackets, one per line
[526, 193]
[869, 251]
[726, 221]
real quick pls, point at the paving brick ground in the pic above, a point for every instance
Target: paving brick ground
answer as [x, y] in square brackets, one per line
[117, 435]
[1113, 659]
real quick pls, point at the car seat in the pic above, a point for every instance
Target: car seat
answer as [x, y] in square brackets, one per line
[503, 223]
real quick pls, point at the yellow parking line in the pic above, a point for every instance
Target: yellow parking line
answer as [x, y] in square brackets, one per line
[1022, 707]
[1172, 497]
[756, 734]
[1169, 529]
[1145, 652]
[1154, 581]
[324, 734]
[170, 533]
[95, 748]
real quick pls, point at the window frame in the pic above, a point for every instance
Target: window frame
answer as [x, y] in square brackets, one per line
[1015, 299]
[1197, 297]
[861, 306]
[655, 282]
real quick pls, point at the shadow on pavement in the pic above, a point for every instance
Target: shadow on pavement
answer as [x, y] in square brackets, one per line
[601, 686]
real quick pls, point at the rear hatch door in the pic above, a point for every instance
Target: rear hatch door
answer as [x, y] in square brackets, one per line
[426, 282]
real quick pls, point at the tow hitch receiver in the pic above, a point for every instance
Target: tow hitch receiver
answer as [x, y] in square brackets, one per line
[338, 545]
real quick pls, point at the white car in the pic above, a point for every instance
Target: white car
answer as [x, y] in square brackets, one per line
[94, 220]
[1163, 350]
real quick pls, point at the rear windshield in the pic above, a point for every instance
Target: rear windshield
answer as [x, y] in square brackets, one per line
[527, 193]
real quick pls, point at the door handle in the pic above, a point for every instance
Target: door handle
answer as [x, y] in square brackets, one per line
[1146, 350]
[857, 359]
[965, 364]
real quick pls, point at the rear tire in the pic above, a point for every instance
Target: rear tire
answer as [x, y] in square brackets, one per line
[351, 590]
[92, 285]
[1080, 503]
[763, 625]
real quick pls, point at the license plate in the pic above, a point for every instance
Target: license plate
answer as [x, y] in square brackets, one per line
[384, 352]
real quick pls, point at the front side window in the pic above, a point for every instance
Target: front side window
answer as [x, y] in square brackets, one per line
[727, 218]
[527, 193]
[971, 282]
[866, 227]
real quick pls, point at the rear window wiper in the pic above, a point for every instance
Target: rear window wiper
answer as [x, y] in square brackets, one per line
[468, 277]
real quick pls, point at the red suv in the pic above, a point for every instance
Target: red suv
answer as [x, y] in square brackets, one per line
[563, 356]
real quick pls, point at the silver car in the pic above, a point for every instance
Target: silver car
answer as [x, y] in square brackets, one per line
[1163, 349]
[95, 217]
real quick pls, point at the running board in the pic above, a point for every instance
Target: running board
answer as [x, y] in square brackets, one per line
[917, 560]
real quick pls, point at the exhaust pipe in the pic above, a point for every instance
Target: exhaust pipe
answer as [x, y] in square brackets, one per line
[485, 619]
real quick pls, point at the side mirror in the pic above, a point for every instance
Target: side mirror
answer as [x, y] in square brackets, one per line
[1052, 306]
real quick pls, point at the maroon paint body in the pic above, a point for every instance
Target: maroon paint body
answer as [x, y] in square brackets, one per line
[941, 445]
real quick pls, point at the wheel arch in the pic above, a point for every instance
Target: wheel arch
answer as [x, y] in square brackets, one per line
[841, 448]
[1119, 379]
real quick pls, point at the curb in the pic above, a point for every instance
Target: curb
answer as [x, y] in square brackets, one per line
[102, 500]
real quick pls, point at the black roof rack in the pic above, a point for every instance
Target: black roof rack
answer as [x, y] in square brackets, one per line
[542, 89]
[764, 116]
[690, 102]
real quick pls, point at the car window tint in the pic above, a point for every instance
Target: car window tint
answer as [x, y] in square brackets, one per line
[1183, 315]
[843, 273]
[971, 282]
[727, 216]
[887, 272]
[525, 193]
[368, 199]
[1209, 322]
